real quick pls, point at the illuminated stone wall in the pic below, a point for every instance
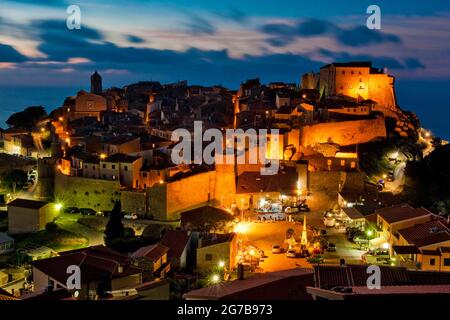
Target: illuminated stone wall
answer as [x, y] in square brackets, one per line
[86, 193]
[344, 133]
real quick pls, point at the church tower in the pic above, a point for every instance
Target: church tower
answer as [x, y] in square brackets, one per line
[96, 83]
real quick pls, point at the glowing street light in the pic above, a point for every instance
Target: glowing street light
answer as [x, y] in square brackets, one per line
[215, 278]
[369, 233]
[221, 264]
[58, 206]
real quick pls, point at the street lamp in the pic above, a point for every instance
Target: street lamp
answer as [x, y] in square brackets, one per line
[215, 278]
[58, 206]
[221, 264]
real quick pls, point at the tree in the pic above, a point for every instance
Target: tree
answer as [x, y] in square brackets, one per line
[114, 228]
[14, 179]
[28, 118]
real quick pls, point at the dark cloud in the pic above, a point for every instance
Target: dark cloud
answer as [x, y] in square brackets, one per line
[135, 39]
[408, 63]
[199, 25]
[283, 34]
[361, 36]
[235, 15]
[9, 54]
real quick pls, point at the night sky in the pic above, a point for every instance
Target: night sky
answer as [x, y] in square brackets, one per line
[221, 42]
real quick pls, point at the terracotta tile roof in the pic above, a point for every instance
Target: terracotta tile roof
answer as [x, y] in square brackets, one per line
[431, 252]
[4, 295]
[152, 252]
[432, 239]
[176, 241]
[353, 213]
[401, 212]
[426, 233]
[405, 249]
[355, 275]
[95, 263]
[270, 285]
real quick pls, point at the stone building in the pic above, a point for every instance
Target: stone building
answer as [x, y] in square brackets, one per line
[27, 216]
[96, 83]
[358, 80]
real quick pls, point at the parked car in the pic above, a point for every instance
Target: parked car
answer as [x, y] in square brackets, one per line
[88, 212]
[305, 253]
[291, 210]
[276, 248]
[130, 216]
[329, 222]
[331, 247]
[105, 213]
[303, 208]
[291, 253]
[71, 210]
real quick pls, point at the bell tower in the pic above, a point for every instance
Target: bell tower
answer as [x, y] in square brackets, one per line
[96, 83]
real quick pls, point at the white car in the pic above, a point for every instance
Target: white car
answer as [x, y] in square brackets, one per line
[130, 216]
[291, 253]
[289, 210]
[276, 249]
[329, 222]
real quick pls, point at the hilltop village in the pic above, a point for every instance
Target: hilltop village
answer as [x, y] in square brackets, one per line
[92, 184]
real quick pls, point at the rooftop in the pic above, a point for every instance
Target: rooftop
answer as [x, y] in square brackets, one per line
[401, 212]
[25, 203]
[286, 284]
[95, 263]
[121, 157]
[254, 182]
[152, 252]
[176, 241]
[426, 233]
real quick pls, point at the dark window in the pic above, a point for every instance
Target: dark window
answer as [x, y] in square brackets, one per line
[85, 166]
[447, 262]
[208, 257]
[144, 174]
[343, 72]
[113, 166]
[104, 166]
[93, 167]
[432, 262]
[126, 168]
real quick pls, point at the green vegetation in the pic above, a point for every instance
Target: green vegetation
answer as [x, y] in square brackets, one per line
[53, 237]
[28, 118]
[374, 159]
[14, 180]
[428, 181]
